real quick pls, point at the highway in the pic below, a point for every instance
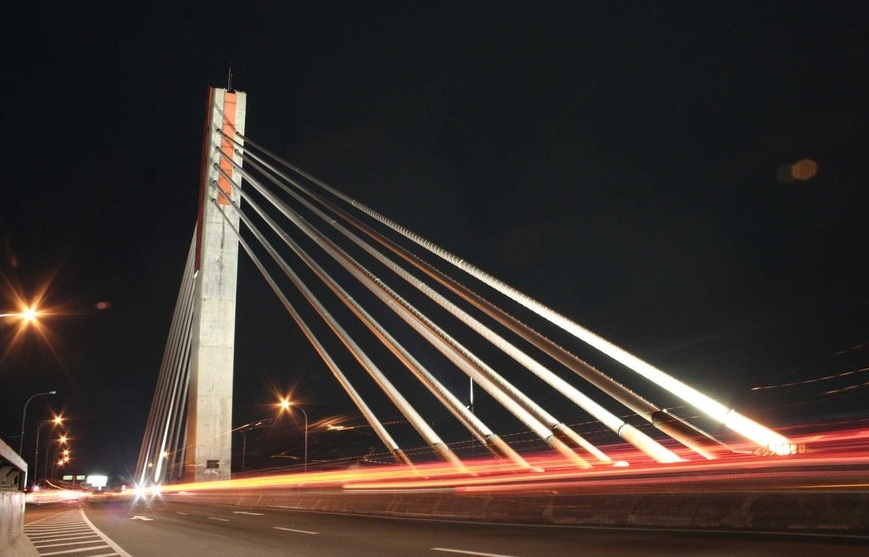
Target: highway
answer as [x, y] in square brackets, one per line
[160, 529]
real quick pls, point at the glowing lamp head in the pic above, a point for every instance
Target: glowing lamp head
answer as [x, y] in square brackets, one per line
[28, 314]
[285, 404]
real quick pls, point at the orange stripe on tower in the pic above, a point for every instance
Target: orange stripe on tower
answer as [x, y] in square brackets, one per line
[226, 146]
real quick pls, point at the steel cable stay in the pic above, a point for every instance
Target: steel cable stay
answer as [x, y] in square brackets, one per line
[173, 369]
[763, 437]
[615, 424]
[357, 399]
[401, 403]
[544, 425]
[548, 428]
[482, 432]
[173, 446]
[670, 424]
[177, 403]
[175, 393]
[160, 403]
[178, 441]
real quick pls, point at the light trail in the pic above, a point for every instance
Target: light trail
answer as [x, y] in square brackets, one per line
[833, 458]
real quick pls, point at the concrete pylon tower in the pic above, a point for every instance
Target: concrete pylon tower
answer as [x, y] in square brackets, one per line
[208, 454]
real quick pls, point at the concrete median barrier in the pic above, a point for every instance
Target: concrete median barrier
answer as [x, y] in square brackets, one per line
[815, 512]
[13, 542]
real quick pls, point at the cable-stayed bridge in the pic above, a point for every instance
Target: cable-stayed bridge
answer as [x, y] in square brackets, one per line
[398, 322]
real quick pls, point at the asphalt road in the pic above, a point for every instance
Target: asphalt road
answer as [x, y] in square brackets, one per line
[163, 529]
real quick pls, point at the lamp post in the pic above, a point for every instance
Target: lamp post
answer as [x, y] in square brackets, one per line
[243, 447]
[243, 430]
[285, 404]
[56, 421]
[24, 417]
[61, 439]
[60, 462]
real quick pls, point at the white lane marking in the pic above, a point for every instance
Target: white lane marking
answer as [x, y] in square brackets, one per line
[79, 550]
[47, 539]
[36, 523]
[59, 529]
[71, 530]
[140, 517]
[44, 546]
[248, 513]
[118, 549]
[466, 552]
[185, 514]
[294, 530]
[55, 535]
[220, 519]
[56, 526]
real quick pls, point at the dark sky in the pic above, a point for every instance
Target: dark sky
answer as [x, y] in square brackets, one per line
[623, 162]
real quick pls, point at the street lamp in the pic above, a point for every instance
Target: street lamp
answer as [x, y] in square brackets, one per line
[56, 421]
[243, 447]
[285, 405]
[243, 429]
[27, 315]
[24, 416]
[59, 440]
[59, 463]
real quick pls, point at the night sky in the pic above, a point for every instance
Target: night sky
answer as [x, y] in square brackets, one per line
[627, 163]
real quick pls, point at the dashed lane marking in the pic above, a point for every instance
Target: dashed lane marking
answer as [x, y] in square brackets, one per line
[294, 530]
[468, 552]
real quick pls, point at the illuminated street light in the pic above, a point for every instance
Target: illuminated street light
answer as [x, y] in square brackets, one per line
[24, 417]
[54, 422]
[285, 405]
[60, 463]
[27, 315]
[62, 440]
